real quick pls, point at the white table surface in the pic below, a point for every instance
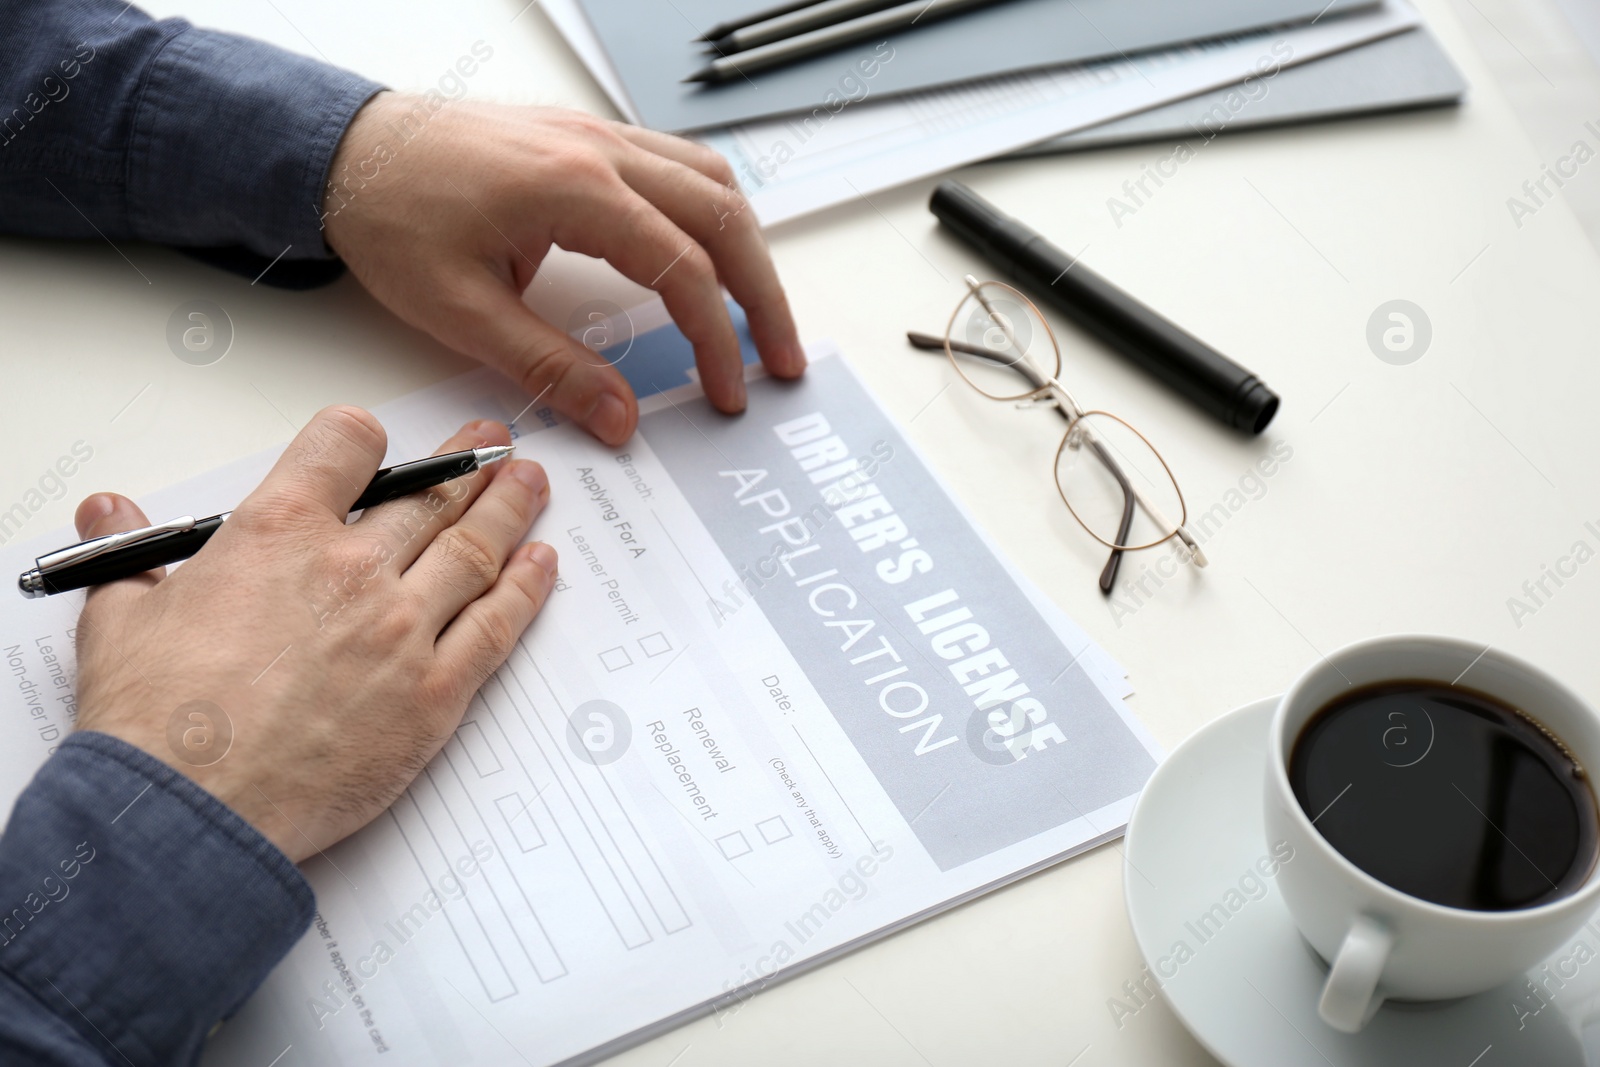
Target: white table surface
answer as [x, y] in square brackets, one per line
[1418, 497]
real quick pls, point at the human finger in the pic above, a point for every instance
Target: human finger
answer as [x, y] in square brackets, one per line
[631, 234]
[325, 468]
[717, 215]
[478, 641]
[100, 515]
[495, 326]
[465, 559]
[707, 161]
[406, 525]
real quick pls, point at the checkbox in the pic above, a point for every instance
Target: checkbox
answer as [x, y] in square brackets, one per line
[774, 830]
[655, 644]
[733, 845]
[614, 659]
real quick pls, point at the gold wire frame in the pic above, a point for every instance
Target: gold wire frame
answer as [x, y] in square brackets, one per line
[1029, 304]
[1183, 508]
[1074, 417]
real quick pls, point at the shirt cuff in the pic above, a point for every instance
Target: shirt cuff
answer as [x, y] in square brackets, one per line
[235, 137]
[142, 909]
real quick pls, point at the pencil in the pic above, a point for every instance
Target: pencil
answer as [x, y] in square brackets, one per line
[814, 17]
[722, 29]
[779, 53]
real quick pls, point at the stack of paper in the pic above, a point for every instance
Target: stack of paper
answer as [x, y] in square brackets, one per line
[870, 133]
[777, 706]
[650, 48]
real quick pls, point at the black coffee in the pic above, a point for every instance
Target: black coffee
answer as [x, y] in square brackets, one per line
[1447, 794]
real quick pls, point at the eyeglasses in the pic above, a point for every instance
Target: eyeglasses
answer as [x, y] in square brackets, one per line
[1110, 476]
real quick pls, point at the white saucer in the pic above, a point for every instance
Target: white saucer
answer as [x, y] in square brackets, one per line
[1247, 986]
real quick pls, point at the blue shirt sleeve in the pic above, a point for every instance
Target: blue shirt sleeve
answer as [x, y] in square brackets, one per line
[139, 911]
[115, 126]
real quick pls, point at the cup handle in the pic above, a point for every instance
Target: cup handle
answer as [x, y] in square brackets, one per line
[1349, 997]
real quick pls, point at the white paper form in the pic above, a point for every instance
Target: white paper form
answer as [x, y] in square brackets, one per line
[750, 729]
[858, 146]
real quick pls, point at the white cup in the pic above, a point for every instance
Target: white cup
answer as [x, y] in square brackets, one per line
[1383, 943]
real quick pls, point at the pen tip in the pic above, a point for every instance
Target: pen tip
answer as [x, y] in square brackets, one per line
[704, 75]
[493, 453]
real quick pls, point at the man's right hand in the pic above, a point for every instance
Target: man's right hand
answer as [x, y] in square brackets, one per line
[341, 657]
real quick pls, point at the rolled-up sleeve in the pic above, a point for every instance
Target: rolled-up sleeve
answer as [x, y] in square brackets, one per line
[139, 911]
[117, 126]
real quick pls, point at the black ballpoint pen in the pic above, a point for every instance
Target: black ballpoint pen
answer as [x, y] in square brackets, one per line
[122, 555]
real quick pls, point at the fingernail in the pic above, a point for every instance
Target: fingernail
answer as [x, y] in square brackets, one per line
[609, 420]
[544, 556]
[531, 475]
[797, 358]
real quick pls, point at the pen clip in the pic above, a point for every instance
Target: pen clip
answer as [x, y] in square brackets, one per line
[99, 546]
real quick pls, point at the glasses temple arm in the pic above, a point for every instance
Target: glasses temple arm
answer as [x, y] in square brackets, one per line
[1108, 576]
[930, 343]
[1154, 512]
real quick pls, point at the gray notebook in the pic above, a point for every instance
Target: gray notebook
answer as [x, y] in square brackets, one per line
[648, 43]
[1407, 70]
